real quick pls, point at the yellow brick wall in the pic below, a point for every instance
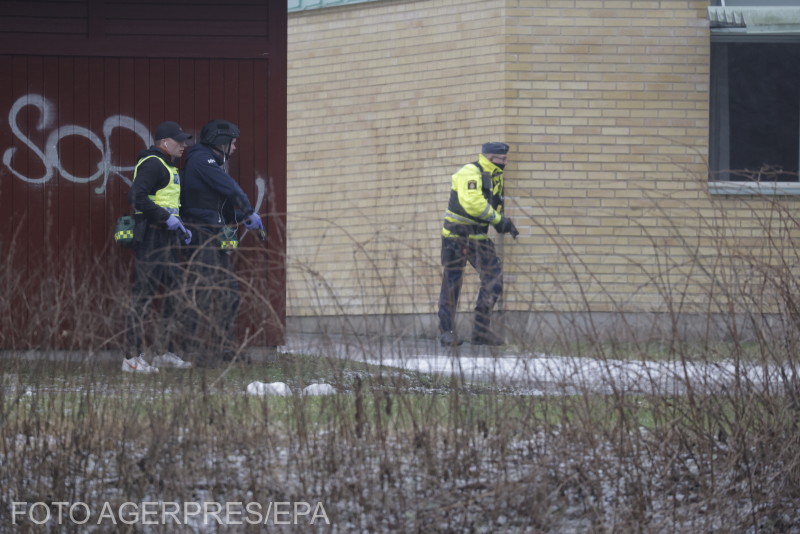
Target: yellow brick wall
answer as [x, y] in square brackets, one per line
[605, 105]
[386, 101]
[608, 104]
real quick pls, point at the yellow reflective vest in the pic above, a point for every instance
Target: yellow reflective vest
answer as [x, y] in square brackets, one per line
[169, 197]
[476, 200]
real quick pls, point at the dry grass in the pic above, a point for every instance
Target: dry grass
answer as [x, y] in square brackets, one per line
[395, 451]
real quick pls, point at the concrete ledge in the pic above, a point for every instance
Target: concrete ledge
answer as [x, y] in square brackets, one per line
[525, 328]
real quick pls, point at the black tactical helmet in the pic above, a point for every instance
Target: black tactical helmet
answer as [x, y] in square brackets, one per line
[218, 132]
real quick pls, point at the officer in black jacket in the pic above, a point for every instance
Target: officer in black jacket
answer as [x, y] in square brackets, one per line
[212, 204]
[155, 198]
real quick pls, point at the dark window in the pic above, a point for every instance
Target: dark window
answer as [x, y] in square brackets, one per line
[755, 111]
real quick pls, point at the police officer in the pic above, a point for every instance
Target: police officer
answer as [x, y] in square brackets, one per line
[476, 201]
[212, 204]
[155, 197]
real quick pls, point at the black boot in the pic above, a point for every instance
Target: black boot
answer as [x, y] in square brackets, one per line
[487, 337]
[482, 335]
[449, 339]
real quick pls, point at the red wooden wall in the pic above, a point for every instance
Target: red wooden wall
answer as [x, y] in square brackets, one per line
[84, 83]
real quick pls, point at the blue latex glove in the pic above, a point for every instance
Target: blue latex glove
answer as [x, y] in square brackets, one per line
[253, 222]
[174, 223]
[187, 236]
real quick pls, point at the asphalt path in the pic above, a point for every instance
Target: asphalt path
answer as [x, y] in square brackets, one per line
[527, 371]
[538, 373]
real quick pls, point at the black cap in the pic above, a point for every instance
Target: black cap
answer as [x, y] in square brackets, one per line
[494, 148]
[172, 130]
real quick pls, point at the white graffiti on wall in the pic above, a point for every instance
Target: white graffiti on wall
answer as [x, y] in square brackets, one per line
[49, 156]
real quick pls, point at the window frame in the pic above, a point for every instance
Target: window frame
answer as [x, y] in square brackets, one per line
[719, 122]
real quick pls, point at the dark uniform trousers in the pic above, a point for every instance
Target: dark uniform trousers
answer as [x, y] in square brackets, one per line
[156, 265]
[212, 294]
[456, 252]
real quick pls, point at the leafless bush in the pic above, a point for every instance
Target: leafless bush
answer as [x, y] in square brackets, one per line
[716, 452]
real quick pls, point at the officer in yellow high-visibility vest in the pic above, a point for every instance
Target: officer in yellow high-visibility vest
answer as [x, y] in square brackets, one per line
[155, 197]
[476, 201]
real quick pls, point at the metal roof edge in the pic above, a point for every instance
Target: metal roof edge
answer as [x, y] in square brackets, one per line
[308, 5]
[772, 19]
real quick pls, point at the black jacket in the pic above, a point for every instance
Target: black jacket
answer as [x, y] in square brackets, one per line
[151, 176]
[209, 195]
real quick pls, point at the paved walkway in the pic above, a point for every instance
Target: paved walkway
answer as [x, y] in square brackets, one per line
[527, 371]
[539, 373]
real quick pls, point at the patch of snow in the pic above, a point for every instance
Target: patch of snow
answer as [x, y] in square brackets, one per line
[319, 389]
[279, 389]
[553, 373]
